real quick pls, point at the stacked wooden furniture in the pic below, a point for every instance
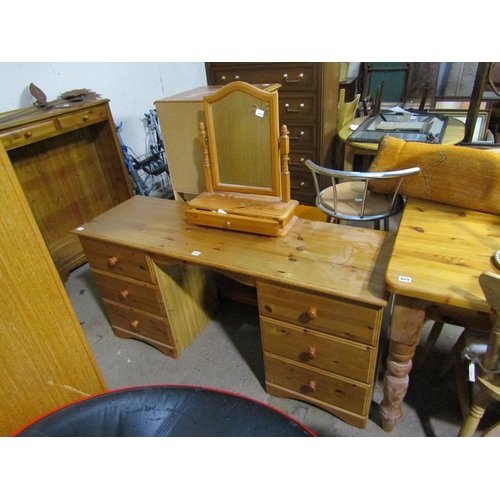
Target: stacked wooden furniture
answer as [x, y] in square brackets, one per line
[320, 292]
[308, 100]
[69, 163]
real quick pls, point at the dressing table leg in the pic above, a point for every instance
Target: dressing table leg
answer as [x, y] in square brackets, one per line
[406, 325]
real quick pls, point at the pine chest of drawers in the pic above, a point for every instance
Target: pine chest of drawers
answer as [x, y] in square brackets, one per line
[308, 99]
[320, 349]
[161, 302]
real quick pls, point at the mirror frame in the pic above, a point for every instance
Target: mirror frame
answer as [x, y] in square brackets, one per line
[270, 98]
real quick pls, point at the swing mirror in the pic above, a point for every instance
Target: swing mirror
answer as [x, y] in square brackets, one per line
[242, 127]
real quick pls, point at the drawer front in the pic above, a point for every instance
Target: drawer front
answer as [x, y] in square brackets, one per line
[82, 118]
[298, 159]
[118, 260]
[343, 318]
[267, 227]
[130, 293]
[139, 323]
[30, 133]
[302, 136]
[294, 108]
[317, 384]
[301, 185]
[310, 348]
[291, 77]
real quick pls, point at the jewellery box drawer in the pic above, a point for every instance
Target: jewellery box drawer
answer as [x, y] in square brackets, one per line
[118, 260]
[130, 293]
[139, 323]
[267, 227]
[318, 350]
[344, 318]
[317, 384]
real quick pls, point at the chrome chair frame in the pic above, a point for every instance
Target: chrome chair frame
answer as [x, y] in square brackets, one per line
[339, 177]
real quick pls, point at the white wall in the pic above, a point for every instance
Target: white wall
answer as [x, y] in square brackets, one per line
[131, 87]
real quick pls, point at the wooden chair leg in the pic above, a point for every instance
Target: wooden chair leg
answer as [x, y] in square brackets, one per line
[476, 412]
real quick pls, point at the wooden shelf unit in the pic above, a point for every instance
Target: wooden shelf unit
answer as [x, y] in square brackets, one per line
[69, 163]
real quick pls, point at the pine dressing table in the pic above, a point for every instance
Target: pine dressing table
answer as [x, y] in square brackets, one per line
[320, 289]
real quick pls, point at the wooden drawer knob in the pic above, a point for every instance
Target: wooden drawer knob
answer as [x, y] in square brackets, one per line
[112, 261]
[85, 118]
[28, 135]
[135, 324]
[312, 313]
[311, 353]
[124, 294]
[311, 386]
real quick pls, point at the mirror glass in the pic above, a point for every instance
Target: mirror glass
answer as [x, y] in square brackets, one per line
[243, 135]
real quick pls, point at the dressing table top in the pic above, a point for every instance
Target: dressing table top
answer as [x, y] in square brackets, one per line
[345, 261]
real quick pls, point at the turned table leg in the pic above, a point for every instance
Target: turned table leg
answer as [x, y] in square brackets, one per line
[406, 326]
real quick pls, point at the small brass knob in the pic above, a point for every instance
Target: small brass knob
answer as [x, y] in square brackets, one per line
[135, 324]
[124, 294]
[311, 386]
[312, 313]
[112, 261]
[227, 224]
[27, 135]
[85, 118]
[311, 353]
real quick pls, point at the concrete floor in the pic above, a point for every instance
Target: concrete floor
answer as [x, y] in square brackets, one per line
[227, 355]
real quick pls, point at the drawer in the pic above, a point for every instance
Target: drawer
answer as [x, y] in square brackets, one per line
[291, 77]
[298, 159]
[85, 117]
[323, 313]
[130, 293]
[119, 260]
[266, 227]
[302, 136]
[29, 133]
[140, 323]
[297, 107]
[314, 349]
[301, 184]
[318, 384]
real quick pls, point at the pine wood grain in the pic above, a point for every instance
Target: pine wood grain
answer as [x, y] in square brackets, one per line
[44, 357]
[443, 249]
[340, 260]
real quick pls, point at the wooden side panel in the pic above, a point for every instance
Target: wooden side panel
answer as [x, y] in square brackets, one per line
[44, 357]
[190, 296]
